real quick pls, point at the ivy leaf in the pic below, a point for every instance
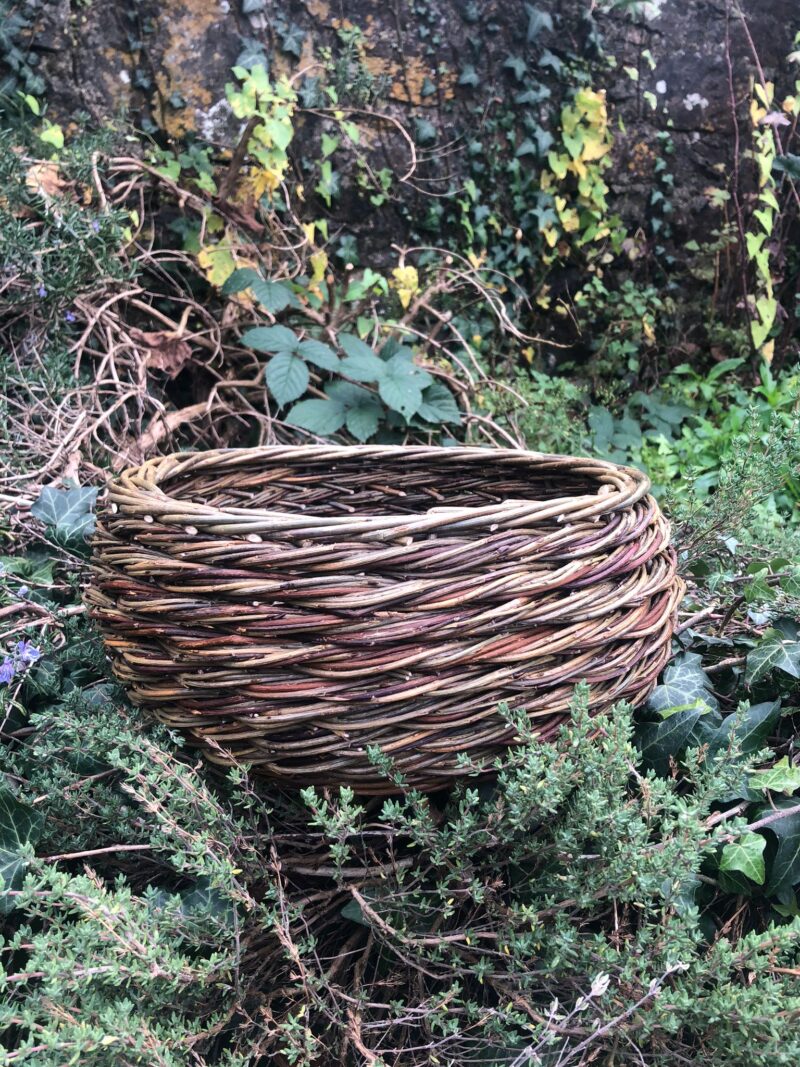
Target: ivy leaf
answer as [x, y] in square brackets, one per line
[517, 66]
[782, 777]
[784, 870]
[773, 652]
[745, 855]
[69, 511]
[788, 164]
[242, 278]
[547, 59]
[250, 7]
[685, 683]
[322, 417]
[659, 741]
[292, 41]
[318, 353]
[424, 132]
[438, 404]
[270, 339]
[20, 826]
[469, 76]
[751, 725]
[273, 296]
[537, 21]
[287, 377]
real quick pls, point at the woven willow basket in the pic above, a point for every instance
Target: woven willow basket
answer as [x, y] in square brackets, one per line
[288, 607]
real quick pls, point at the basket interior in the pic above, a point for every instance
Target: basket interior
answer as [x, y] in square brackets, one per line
[351, 485]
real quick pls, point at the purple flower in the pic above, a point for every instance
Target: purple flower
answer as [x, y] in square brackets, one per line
[23, 591]
[27, 653]
[95, 226]
[6, 671]
[41, 291]
[69, 316]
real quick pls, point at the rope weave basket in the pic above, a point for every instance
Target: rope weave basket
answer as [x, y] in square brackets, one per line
[288, 607]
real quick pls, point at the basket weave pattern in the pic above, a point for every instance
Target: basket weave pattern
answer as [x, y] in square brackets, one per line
[288, 607]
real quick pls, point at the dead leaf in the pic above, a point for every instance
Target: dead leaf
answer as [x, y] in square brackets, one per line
[166, 350]
[44, 179]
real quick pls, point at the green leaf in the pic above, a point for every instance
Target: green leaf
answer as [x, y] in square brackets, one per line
[438, 404]
[782, 777]
[751, 725]
[243, 278]
[424, 131]
[360, 362]
[661, 740]
[784, 872]
[69, 511]
[537, 22]
[773, 652]
[401, 389]
[270, 339]
[352, 910]
[322, 417]
[685, 682]
[363, 420]
[517, 66]
[20, 827]
[469, 76]
[745, 855]
[273, 296]
[292, 41]
[287, 377]
[318, 353]
[788, 164]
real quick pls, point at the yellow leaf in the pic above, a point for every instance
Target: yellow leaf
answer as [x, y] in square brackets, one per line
[648, 330]
[319, 262]
[406, 282]
[308, 230]
[476, 261]
[217, 263]
[528, 353]
[550, 236]
[768, 351]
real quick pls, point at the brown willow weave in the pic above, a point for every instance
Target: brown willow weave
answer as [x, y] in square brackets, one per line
[288, 607]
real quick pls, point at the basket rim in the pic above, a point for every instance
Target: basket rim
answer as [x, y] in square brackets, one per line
[138, 493]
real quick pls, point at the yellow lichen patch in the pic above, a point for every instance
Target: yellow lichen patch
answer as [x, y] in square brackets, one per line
[641, 159]
[408, 78]
[319, 9]
[184, 24]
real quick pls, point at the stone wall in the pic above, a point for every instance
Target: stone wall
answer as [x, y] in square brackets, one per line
[165, 64]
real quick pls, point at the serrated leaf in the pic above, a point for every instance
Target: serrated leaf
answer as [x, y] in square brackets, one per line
[272, 296]
[360, 362]
[20, 826]
[400, 390]
[243, 278]
[270, 339]
[318, 353]
[661, 740]
[745, 855]
[363, 420]
[322, 417]
[69, 511]
[287, 377]
[782, 777]
[438, 404]
[774, 651]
